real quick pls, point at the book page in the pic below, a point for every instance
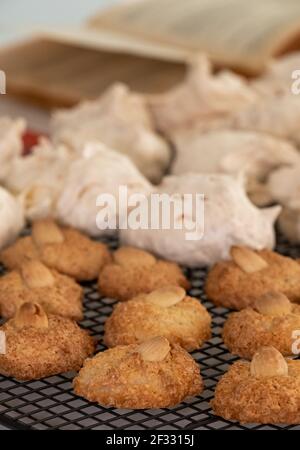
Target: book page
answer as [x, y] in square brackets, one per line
[235, 32]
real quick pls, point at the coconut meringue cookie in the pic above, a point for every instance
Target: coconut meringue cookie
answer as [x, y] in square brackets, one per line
[202, 96]
[257, 155]
[11, 144]
[265, 390]
[11, 217]
[38, 178]
[119, 119]
[99, 171]
[229, 219]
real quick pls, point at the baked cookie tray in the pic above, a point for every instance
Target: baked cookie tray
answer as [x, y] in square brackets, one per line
[51, 404]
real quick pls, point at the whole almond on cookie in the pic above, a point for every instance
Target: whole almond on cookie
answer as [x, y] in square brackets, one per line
[46, 232]
[247, 260]
[133, 256]
[155, 349]
[30, 315]
[166, 296]
[273, 304]
[36, 275]
[268, 362]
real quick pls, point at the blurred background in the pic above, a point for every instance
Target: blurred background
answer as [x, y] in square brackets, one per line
[17, 18]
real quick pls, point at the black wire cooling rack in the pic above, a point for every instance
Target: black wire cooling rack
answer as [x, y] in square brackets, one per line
[51, 404]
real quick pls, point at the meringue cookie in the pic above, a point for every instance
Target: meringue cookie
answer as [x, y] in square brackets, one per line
[11, 217]
[277, 115]
[99, 171]
[289, 221]
[232, 152]
[229, 219]
[11, 144]
[284, 184]
[277, 78]
[202, 96]
[38, 178]
[119, 119]
[284, 187]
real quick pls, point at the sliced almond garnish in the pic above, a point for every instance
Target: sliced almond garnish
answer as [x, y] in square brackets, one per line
[46, 232]
[268, 362]
[273, 304]
[166, 296]
[247, 259]
[36, 275]
[155, 349]
[126, 256]
[30, 315]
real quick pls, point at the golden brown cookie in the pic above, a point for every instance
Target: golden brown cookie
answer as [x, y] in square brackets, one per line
[238, 283]
[64, 249]
[149, 375]
[267, 390]
[134, 271]
[165, 312]
[39, 346]
[34, 282]
[271, 321]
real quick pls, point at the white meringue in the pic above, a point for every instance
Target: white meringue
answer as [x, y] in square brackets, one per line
[11, 218]
[229, 219]
[202, 96]
[284, 184]
[233, 152]
[289, 221]
[11, 144]
[38, 178]
[119, 119]
[278, 116]
[277, 79]
[99, 171]
[284, 187]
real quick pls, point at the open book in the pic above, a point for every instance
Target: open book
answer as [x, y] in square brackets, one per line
[146, 44]
[242, 34]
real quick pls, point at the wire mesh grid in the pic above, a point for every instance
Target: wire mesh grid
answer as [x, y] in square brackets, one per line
[51, 404]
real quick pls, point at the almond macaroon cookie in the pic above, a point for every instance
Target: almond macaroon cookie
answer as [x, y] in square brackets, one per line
[167, 312]
[249, 274]
[134, 271]
[153, 374]
[64, 249]
[34, 282]
[271, 320]
[265, 390]
[40, 345]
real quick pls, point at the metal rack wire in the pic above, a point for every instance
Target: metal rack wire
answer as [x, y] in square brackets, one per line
[51, 404]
